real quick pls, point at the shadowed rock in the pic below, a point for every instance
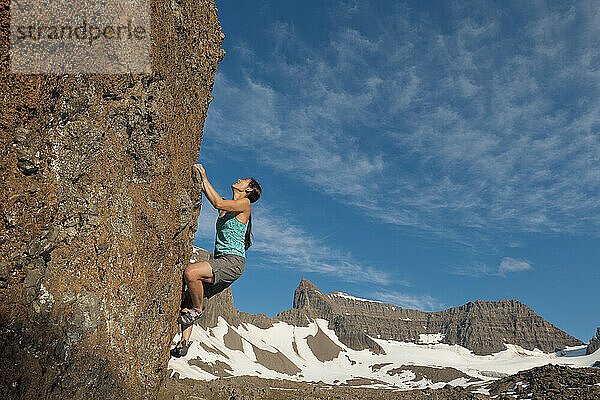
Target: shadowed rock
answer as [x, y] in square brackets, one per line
[594, 344]
[218, 368]
[275, 361]
[322, 346]
[435, 375]
[233, 340]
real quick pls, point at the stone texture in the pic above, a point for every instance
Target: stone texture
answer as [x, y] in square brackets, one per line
[556, 382]
[548, 382]
[434, 374]
[481, 326]
[594, 343]
[98, 209]
[255, 388]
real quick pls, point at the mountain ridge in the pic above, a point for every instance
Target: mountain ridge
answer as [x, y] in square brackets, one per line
[482, 326]
[339, 340]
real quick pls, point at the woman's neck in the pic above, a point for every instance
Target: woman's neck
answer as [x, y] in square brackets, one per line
[238, 195]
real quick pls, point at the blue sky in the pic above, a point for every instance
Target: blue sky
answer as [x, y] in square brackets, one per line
[425, 154]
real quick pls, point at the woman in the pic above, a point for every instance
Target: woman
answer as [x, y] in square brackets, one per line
[234, 227]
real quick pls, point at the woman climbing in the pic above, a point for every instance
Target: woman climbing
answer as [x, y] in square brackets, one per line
[227, 263]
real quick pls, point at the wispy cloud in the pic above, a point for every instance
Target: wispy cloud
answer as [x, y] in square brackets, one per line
[418, 302]
[507, 266]
[279, 242]
[464, 134]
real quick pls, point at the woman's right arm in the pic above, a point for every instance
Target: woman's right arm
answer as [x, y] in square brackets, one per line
[223, 204]
[211, 193]
[217, 201]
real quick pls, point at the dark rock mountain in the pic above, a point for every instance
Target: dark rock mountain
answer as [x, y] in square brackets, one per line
[98, 209]
[481, 326]
[594, 343]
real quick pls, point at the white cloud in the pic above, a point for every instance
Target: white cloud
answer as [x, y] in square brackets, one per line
[509, 264]
[419, 302]
[294, 142]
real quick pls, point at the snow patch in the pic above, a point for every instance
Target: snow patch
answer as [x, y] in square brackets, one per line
[347, 296]
[291, 342]
[430, 338]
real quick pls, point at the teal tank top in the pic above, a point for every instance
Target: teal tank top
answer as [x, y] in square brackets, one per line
[231, 235]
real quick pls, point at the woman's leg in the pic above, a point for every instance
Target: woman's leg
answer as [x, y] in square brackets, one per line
[185, 335]
[194, 275]
[186, 302]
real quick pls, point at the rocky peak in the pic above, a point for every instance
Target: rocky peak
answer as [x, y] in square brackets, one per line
[481, 326]
[594, 343]
[484, 306]
[305, 290]
[305, 284]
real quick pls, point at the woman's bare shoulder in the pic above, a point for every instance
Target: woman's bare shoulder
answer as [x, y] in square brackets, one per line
[243, 215]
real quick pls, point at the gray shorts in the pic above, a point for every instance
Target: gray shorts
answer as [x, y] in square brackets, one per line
[226, 269]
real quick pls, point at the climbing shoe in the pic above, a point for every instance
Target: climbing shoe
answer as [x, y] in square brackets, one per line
[188, 317]
[185, 346]
[181, 349]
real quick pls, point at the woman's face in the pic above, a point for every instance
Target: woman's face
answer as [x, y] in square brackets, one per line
[242, 184]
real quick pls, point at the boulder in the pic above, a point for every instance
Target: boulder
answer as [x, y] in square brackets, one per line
[98, 210]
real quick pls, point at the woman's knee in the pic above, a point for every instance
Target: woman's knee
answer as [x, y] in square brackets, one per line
[197, 271]
[190, 272]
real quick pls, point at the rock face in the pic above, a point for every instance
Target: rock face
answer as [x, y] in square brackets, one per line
[481, 326]
[594, 343]
[98, 209]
